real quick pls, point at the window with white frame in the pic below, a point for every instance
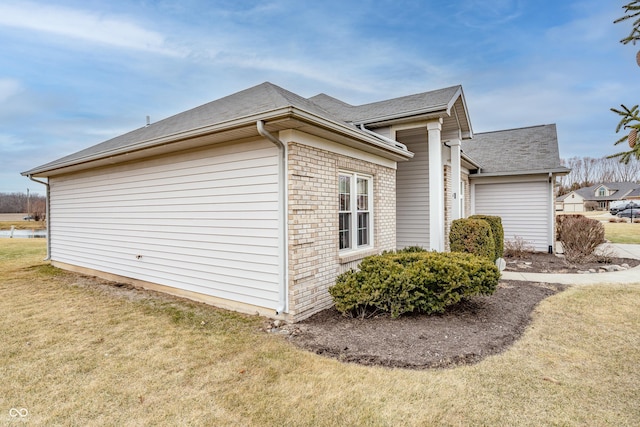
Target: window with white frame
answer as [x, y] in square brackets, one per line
[355, 213]
[602, 192]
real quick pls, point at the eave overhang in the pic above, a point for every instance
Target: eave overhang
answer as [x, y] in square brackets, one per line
[440, 111]
[240, 128]
[556, 172]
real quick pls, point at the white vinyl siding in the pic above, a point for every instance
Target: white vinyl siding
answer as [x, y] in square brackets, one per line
[412, 199]
[525, 209]
[203, 221]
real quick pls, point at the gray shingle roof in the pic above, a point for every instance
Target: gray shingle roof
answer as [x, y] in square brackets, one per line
[530, 149]
[621, 190]
[635, 193]
[405, 105]
[256, 100]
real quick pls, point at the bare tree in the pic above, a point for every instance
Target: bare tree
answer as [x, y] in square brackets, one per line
[586, 171]
[17, 202]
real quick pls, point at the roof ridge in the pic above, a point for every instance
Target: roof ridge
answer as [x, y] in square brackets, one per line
[515, 129]
[413, 95]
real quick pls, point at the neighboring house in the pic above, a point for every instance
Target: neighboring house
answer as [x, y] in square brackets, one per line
[599, 196]
[570, 202]
[516, 181]
[634, 195]
[257, 201]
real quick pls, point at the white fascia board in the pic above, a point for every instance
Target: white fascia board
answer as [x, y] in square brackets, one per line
[439, 111]
[353, 133]
[278, 114]
[469, 160]
[555, 172]
[155, 142]
[300, 137]
[460, 94]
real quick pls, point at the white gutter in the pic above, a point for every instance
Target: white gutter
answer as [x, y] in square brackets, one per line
[277, 114]
[46, 184]
[384, 138]
[552, 214]
[282, 215]
[562, 171]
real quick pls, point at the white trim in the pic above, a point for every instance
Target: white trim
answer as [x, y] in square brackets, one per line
[296, 136]
[354, 212]
[436, 187]
[456, 182]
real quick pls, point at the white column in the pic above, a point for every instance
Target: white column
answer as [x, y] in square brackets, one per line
[456, 182]
[436, 186]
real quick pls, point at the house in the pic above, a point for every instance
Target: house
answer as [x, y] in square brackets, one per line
[257, 201]
[516, 181]
[597, 196]
[634, 195]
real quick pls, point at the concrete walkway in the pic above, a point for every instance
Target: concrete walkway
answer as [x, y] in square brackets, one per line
[621, 250]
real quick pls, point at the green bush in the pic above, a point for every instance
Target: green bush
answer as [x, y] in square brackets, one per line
[472, 236]
[495, 222]
[415, 281]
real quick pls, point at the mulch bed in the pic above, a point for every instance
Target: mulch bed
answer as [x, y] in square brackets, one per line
[467, 333]
[539, 262]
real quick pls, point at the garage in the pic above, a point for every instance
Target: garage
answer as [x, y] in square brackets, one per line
[525, 209]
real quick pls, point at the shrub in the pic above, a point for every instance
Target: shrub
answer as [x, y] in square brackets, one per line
[591, 205]
[517, 248]
[495, 222]
[414, 281]
[410, 249]
[560, 219]
[580, 236]
[472, 236]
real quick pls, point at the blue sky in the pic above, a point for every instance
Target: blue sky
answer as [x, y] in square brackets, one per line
[75, 73]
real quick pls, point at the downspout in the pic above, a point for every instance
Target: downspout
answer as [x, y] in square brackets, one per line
[46, 184]
[384, 138]
[282, 215]
[552, 214]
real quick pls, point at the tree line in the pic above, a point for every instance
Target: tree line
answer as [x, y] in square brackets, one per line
[587, 171]
[32, 204]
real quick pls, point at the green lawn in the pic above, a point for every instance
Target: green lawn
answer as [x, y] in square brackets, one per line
[623, 232]
[77, 352]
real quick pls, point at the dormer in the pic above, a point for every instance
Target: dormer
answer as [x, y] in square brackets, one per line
[603, 191]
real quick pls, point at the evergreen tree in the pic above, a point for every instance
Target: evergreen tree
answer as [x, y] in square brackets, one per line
[629, 117]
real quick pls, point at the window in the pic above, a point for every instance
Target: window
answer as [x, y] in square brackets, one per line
[355, 222]
[602, 192]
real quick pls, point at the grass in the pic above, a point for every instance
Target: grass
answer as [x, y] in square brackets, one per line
[622, 232]
[23, 225]
[615, 232]
[76, 352]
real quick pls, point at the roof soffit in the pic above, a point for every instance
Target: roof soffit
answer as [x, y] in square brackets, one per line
[244, 128]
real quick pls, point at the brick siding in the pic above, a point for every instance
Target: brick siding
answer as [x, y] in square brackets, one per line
[314, 261]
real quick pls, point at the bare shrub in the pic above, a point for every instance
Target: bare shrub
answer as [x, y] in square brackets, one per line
[517, 248]
[591, 205]
[580, 236]
[560, 219]
[605, 255]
